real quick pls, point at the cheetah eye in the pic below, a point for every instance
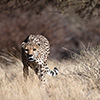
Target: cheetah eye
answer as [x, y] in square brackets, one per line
[26, 49]
[34, 49]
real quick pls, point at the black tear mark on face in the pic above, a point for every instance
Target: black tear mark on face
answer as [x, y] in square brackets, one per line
[26, 40]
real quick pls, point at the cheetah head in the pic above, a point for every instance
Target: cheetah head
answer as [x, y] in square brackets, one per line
[31, 50]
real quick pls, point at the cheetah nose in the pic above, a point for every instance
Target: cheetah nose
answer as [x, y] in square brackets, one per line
[30, 55]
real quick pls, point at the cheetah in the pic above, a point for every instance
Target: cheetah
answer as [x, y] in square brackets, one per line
[35, 51]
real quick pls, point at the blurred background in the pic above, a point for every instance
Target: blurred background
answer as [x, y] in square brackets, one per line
[69, 24]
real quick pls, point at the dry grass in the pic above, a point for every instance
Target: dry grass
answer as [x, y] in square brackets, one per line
[77, 80]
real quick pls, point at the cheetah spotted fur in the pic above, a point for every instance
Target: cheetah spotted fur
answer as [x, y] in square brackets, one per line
[35, 51]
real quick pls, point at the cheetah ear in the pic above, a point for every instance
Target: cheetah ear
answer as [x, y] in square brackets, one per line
[23, 43]
[26, 40]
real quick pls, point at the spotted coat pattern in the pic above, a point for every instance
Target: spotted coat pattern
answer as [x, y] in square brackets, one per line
[35, 51]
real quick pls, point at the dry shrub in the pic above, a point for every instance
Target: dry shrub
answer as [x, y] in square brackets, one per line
[84, 8]
[61, 30]
[89, 69]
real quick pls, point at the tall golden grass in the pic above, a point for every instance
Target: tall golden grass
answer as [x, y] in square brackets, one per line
[78, 79]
